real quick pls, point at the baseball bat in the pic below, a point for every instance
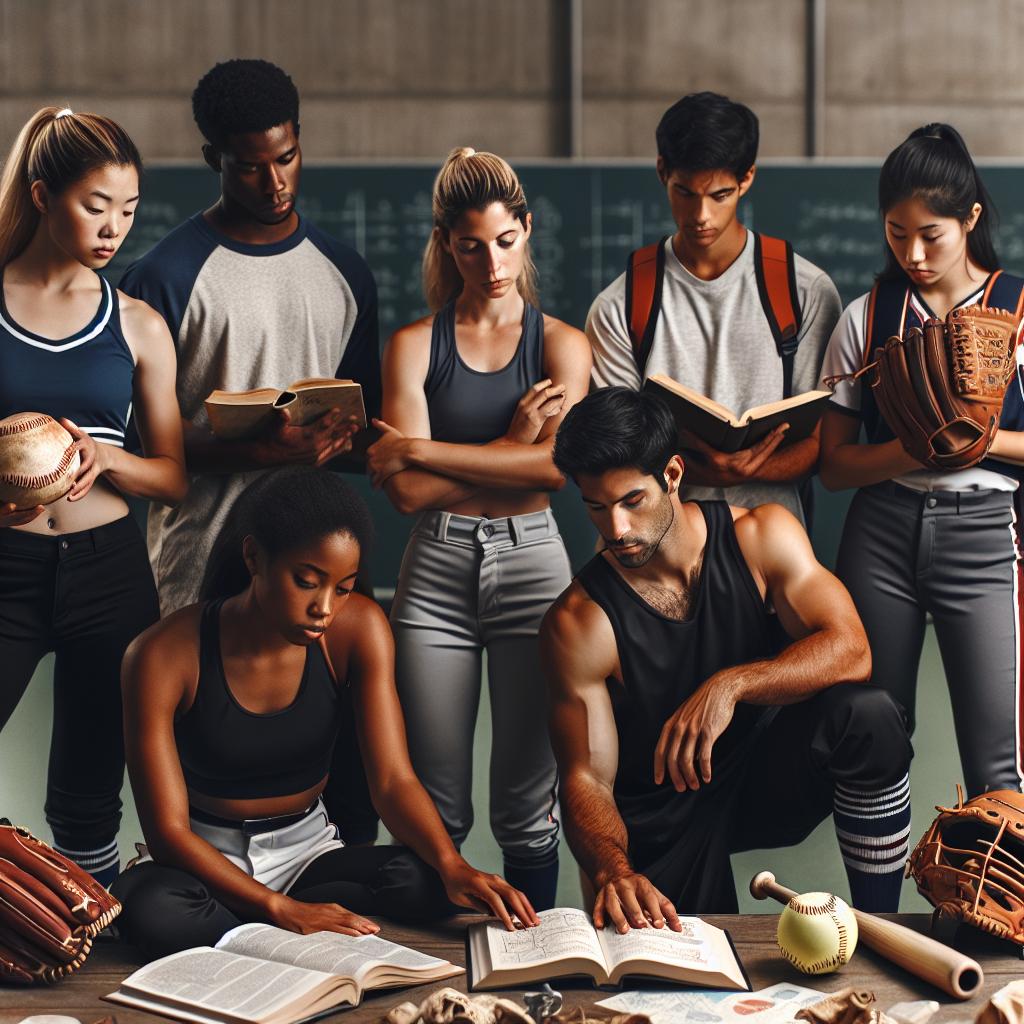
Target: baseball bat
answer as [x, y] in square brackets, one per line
[936, 963]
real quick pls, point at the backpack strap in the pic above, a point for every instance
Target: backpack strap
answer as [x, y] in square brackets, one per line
[887, 314]
[645, 272]
[775, 271]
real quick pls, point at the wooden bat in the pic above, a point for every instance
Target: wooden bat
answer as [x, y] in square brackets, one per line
[933, 961]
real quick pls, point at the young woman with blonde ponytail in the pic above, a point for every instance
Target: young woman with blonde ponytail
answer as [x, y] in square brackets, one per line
[74, 575]
[473, 395]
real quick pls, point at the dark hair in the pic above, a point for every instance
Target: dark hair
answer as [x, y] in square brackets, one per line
[284, 510]
[616, 427]
[240, 96]
[708, 132]
[57, 147]
[934, 165]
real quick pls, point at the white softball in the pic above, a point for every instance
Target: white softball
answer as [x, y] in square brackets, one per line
[38, 460]
[817, 932]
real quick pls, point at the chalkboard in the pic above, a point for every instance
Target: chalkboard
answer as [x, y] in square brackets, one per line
[586, 220]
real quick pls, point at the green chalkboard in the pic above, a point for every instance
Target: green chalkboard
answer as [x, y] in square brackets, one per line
[586, 220]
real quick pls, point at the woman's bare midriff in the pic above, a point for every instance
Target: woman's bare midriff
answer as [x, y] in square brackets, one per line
[498, 504]
[260, 807]
[102, 505]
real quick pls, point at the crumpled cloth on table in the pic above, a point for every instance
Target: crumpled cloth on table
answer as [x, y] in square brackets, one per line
[1005, 1007]
[847, 1006]
[448, 1006]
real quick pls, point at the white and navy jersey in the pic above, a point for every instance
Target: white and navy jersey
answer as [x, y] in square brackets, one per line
[86, 377]
[247, 316]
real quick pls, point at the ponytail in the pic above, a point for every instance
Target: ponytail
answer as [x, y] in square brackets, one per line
[934, 165]
[469, 180]
[57, 147]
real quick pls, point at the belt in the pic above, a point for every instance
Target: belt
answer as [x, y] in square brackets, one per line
[474, 531]
[249, 826]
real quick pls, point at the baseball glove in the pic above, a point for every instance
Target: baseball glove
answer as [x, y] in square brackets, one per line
[50, 910]
[941, 389]
[970, 863]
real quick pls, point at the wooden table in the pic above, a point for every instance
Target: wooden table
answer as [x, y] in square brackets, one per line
[754, 936]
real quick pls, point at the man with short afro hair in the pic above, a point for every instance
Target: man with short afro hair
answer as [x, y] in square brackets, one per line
[254, 296]
[239, 96]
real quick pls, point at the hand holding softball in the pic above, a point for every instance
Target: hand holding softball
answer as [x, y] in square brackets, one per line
[817, 932]
[93, 460]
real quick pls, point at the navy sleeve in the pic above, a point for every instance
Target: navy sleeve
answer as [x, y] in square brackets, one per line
[165, 276]
[361, 359]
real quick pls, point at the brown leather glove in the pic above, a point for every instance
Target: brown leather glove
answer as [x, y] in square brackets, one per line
[968, 864]
[50, 910]
[941, 389]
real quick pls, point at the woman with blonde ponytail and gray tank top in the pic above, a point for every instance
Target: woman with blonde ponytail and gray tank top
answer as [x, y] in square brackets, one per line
[74, 575]
[473, 395]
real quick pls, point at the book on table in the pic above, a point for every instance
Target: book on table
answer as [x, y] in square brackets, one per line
[258, 974]
[566, 944]
[239, 415]
[723, 429]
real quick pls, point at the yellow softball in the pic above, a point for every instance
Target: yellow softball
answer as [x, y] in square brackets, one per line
[817, 932]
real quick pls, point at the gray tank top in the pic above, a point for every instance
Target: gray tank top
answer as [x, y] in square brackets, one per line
[469, 406]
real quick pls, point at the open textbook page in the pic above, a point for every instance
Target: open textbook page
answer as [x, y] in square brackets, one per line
[209, 985]
[566, 937]
[699, 954]
[566, 943]
[369, 961]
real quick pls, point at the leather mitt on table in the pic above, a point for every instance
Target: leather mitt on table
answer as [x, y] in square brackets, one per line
[50, 910]
[941, 389]
[970, 863]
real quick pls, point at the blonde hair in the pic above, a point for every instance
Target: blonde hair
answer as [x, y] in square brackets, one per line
[56, 147]
[469, 180]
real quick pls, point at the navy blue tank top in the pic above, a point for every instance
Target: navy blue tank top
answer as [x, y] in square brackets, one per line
[87, 377]
[470, 406]
[664, 660]
[227, 751]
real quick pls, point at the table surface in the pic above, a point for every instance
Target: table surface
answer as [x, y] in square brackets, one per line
[753, 935]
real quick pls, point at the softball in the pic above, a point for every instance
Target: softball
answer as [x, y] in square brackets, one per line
[38, 460]
[817, 932]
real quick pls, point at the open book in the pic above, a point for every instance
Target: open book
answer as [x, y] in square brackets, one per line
[724, 430]
[258, 974]
[235, 415]
[566, 943]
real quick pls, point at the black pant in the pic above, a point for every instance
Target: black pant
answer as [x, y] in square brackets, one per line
[774, 793]
[166, 910]
[84, 596]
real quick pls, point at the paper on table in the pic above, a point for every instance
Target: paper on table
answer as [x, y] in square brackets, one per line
[772, 1005]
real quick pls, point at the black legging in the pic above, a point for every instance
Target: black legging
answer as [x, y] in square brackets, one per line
[166, 909]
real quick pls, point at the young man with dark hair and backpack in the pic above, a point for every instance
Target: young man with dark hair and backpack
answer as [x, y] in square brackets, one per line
[256, 296]
[732, 314]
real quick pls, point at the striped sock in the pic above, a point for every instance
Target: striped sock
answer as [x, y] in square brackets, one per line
[103, 863]
[873, 829]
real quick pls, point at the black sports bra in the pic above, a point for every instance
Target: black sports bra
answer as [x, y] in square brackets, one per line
[227, 751]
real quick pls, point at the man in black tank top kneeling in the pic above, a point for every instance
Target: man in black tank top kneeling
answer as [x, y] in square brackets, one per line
[708, 689]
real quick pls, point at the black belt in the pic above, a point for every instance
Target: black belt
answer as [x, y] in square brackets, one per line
[250, 826]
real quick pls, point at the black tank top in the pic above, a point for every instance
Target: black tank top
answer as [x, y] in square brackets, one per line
[227, 751]
[664, 660]
[470, 406]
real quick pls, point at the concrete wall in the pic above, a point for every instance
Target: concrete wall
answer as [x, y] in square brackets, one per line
[411, 78]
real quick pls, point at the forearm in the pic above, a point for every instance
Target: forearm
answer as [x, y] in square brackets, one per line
[804, 668]
[594, 828]
[790, 462]
[410, 816]
[1008, 446]
[860, 465]
[159, 478]
[414, 490]
[501, 464]
[183, 849]
[205, 453]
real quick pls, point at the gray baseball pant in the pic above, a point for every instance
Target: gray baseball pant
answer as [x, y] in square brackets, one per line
[469, 584]
[955, 555]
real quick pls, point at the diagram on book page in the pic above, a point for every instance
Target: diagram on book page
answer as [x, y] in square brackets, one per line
[561, 934]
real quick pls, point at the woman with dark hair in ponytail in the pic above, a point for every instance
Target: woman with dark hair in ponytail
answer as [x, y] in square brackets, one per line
[231, 713]
[920, 541]
[74, 575]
